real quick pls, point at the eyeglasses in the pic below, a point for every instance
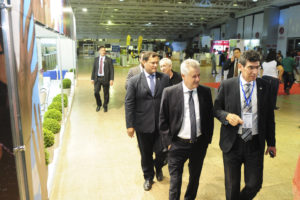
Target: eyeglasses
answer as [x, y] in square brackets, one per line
[253, 68]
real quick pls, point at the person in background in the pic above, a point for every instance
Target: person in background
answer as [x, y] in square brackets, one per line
[186, 125]
[232, 64]
[166, 67]
[102, 75]
[247, 121]
[135, 70]
[270, 73]
[289, 65]
[213, 62]
[279, 57]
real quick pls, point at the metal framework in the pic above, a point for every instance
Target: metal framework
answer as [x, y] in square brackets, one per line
[156, 18]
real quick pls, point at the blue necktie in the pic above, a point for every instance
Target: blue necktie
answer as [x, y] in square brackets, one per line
[152, 84]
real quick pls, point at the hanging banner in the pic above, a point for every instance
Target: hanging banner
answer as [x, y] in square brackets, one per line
[140, 42]
[128, 40]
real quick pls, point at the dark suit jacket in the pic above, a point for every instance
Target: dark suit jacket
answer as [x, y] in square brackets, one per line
[142, 110]
[229, 66]
[228, 101]
[171, 112]
[108, 69]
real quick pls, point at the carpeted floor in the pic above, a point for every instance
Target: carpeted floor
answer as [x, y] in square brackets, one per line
[295, 89]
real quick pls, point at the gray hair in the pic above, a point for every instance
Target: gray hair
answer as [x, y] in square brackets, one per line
[165, 61]
[187, 64]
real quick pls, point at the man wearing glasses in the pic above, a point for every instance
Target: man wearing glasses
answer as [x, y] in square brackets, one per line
[244, 109]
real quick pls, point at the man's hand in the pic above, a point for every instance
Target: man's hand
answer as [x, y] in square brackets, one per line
[111, 82]
[273, 149]
[169, 147]
[234, 119]
[92, 81]
[232, 59]
[130, 132]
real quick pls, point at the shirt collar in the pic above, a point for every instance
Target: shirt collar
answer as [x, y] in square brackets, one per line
[147, 75]
[186, 90]
[245, 82]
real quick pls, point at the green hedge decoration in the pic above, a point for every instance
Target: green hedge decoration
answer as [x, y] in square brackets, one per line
[72, 70]
[48, 138]
[55, 105]
[47, 157]
[52, 125]
[67, 83]
[53, 114]
[58, 98]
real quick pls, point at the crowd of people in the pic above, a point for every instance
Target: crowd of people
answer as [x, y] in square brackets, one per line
[172, 116]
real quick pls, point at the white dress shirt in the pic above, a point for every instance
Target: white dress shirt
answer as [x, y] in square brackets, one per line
[103, 59]
[253, 102]
[148, 78]
[185, 131]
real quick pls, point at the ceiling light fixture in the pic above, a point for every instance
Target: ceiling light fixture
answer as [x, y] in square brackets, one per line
[116, 9]
[254, 0]
[179, 2]
[109, 22]
[191, 24]
[166, 11]
[84, 9]
[235, 4]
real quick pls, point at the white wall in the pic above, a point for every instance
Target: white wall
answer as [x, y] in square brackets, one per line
[289, 21]
[248, 27]
[258, 24]
[67, 53]
[240, 27]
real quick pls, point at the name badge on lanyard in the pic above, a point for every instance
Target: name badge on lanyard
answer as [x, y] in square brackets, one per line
[246, 116]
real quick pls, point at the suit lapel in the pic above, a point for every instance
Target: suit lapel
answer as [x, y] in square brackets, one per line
[157, 84]
[180, 102]
[236, 89]
[145, 83]
[201, 103]
[260, 91]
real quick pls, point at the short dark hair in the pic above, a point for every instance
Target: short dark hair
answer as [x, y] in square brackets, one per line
[149, 54]
[250, 55]
[237, 49]
[271, 55]
[100, 48]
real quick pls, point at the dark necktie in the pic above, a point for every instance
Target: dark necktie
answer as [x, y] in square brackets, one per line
[192, 117]
[101, 66]
[247, 132]
[152, 84]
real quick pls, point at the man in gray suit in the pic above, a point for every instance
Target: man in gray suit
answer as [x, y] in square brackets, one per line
[142, 104]
[135, 70]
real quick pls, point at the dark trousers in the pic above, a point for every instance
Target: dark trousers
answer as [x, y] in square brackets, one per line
[146, 143]
[97, 87]
[288, 80]
[274, 82]
[178, 154]
[246, 153]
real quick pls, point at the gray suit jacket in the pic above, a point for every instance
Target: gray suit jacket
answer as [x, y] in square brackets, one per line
[228, 101]
[132, 72]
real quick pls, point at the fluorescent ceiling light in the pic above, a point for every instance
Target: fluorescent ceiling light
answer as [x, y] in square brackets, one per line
[254, 0]
[109, 22]
[179, 2]
[191, 24]
[116, 9]
[84, 9]
[235, 4]
[166, 11]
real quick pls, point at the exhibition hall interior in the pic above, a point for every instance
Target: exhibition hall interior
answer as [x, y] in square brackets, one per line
[79, 111]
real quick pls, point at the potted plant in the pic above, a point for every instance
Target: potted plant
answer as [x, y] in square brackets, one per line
[67, 86]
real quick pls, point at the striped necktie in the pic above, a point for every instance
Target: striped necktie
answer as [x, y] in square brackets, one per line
[247, 132]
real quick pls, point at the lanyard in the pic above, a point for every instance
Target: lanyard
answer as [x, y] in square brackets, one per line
[248, 100]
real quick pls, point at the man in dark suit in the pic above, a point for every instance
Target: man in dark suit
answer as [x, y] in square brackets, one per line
[135, 70]
[102, 75]
[142, 104]
[232, 64]
[247, 116]
[186, 124]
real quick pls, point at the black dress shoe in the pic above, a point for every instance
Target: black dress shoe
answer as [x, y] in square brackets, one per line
[159, 175]
[148, 184]
[105, 109]
[98, 108]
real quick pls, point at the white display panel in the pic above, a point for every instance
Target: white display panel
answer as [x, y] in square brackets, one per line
[293, 21]
[240, 27]
[258, 24]
[248, 27]
[283, 25]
